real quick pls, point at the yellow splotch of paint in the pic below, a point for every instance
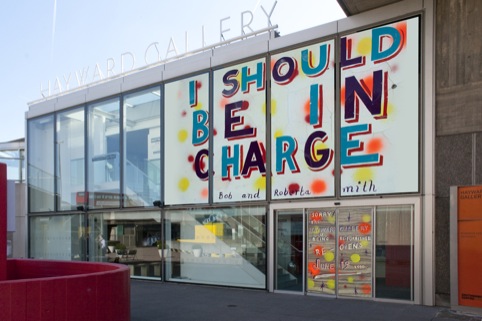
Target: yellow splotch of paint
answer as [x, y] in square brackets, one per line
[273, 106]
[260, 183]
[198, 106]
[364, 46]
[331, 219]
[182, 135]
[355, 258]
[183, 184]
[350, 279]
[278, 133]
[366, 218]
[363, 174]
[330, 284]
[364, 243]
[329, 256]
[319, 145]
[311, 283]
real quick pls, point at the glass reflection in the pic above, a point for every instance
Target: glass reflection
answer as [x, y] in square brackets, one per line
[41, 164]
[61, 237]
[70, 144]
[142, 167]
[224, 246]
[103, 156]
[129, 238]
[394, 252]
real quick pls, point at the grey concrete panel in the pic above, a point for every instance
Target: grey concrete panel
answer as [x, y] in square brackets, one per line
[478, 159]
[453, 162]
[459, 109]
[442, 246]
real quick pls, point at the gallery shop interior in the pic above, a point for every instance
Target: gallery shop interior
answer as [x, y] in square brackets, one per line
[300, 163]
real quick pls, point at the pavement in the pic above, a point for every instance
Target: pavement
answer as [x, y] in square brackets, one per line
[154, 300]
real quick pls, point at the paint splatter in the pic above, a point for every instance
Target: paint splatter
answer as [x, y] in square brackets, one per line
[364, 228]
[363, 174]
[366, 288]
[330, 284]
[183, 184]
[374, 145]
[278, 133]
[329, 256]
[364, 46]
[182, 135]
[273, 107]
[318, 186]
[204, 193]
[260, 183]
[318, 250]
[293, 188]
[355, 258]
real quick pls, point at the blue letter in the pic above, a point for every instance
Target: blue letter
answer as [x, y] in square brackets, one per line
[200, 129]
[286, 147]
[349, 145]
[377, 35]
[230, 161]
[247, 78]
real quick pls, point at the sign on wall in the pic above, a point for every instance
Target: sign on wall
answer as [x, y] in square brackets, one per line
[321, 253]
[302, 122]
[469, 240]
[239, 132]
[187, 140]
[379, 136]
[355, 252]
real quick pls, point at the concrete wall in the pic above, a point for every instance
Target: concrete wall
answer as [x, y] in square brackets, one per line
[458, 117]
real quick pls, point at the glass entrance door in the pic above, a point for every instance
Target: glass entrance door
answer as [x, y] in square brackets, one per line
[340, 251]
[289, 250]
[363, 252]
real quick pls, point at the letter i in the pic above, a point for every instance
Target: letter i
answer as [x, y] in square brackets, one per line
[193, 93]
[316, 105]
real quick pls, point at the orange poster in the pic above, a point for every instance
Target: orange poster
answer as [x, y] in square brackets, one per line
[470, 203]
[469, 246]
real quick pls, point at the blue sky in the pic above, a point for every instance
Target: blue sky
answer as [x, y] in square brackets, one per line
[46, 40]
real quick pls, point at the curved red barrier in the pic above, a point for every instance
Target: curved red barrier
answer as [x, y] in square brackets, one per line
[64, 290]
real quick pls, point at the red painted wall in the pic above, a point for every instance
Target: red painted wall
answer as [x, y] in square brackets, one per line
[44, 290]
[3, 222]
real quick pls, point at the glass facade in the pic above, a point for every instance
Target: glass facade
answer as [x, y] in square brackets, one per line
[142, 146]
[103, 155]
[59, 237]
[224, 246]
[129, 238]
[394, 252]
[361, 252]
[70, 169]
[40, 166]
[176, 180]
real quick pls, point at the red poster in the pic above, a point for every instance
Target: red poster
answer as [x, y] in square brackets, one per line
[469, 246]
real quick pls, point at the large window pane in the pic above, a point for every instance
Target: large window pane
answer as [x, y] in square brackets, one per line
[104, 155]
[70, 170]
[186, 130]
[129, 238]
[57, 237]
[289, 250]
[225, 246]
[142, 141]
[394, 252]
[41, 164]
